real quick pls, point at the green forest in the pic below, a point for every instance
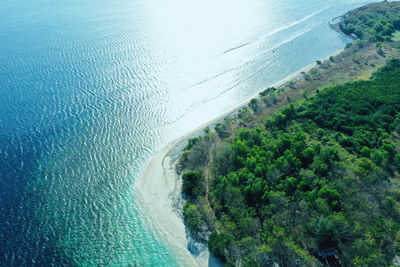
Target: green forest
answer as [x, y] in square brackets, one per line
[372, 22]
[315, 184]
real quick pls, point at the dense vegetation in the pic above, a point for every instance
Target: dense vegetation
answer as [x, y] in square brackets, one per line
[318, 182]
[312, 184]
[373, 22]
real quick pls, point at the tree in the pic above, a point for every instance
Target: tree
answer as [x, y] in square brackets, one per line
[218, 243]
[396, 24]
[193, 185]
[192, 217]
[254, 105]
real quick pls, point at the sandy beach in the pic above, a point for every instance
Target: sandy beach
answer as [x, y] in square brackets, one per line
[161, 186]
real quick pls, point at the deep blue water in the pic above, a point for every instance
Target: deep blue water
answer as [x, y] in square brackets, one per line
[90, 90]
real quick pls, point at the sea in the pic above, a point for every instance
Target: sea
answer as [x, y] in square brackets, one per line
[91, 90]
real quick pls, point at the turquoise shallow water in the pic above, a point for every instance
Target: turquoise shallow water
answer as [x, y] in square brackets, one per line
[90, 90]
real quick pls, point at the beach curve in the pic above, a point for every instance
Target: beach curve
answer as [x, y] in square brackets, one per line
[160, 185]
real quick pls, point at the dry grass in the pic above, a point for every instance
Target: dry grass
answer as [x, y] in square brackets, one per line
[353, 63]
[396, 36]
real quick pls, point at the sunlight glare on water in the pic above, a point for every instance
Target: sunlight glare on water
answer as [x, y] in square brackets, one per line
[91, 90]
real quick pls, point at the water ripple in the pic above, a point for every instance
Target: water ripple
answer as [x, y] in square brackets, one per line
[91, 91]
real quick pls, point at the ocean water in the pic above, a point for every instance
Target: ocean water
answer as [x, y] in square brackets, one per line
[91, 90]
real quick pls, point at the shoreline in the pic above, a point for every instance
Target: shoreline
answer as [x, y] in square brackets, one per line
[160, 185]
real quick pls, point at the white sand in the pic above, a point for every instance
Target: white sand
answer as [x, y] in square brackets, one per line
[161, 187]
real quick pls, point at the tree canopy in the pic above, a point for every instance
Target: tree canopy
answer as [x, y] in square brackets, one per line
[319, 182]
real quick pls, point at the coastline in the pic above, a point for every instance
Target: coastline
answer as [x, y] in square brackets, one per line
[160, 185]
